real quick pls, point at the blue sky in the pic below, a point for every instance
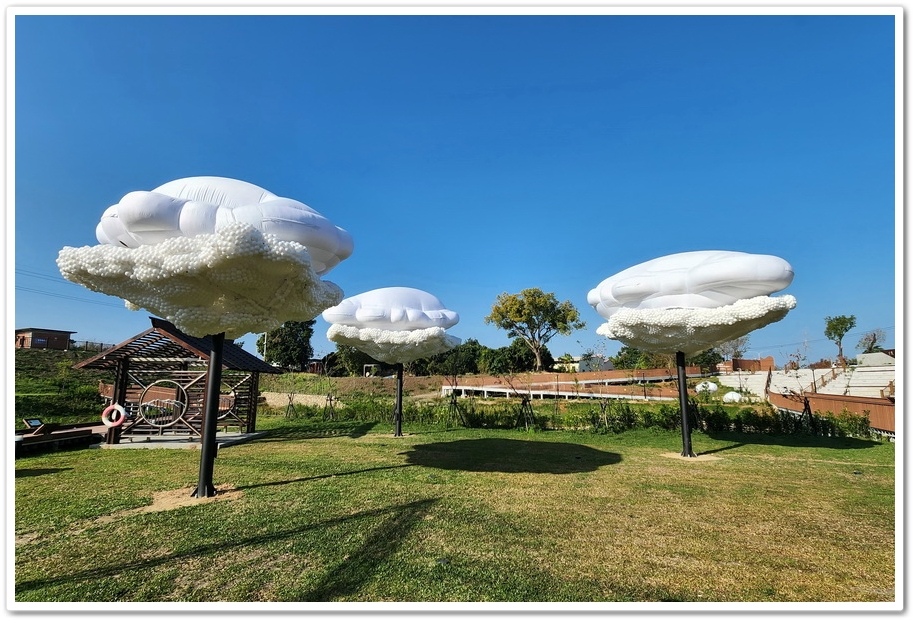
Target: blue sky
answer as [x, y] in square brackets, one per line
[470, 155]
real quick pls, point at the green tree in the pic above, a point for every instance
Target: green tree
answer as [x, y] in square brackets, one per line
[495, 361]
[535, 317]
[457, 361]
[289, 346]
[707, 360]
[348, 361]
[836, 329]
[630, 358]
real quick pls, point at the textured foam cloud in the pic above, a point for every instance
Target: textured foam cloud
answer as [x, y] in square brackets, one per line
[206, 205]
[238, 280]
[393, 325]
[691, 302]
[395, 346]
[693, 331]
[696, 279]
[392, 308]
[732, 397]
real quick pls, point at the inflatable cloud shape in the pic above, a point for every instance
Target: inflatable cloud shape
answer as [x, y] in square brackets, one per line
[206, 205]
[394, 346]
[705, 279]
[706, 386]
[236, 281]
[392, 308]
[690, 302]
[393, 325]
[731, 397]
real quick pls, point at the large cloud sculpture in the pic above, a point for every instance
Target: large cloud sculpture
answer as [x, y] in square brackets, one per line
[393, 325]
[690, 302]
[237, 281]
[193, 206]
[213, 255]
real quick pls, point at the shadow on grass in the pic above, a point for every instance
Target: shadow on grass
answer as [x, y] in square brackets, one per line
[792, 441]
[316, 430]
[343, 579]
[24, 473]
[510, 456]
[321, 477]
[360, 566]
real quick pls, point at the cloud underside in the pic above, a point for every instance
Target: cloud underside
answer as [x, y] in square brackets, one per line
[693, 330]
[394, 346]
[236, 281]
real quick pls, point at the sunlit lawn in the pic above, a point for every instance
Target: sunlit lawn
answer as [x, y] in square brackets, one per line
[319, 512]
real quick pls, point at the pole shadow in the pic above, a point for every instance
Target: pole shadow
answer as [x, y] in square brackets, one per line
[321, 477]
[316, 430]
[510, 456]
[40, 471]
[360, 566]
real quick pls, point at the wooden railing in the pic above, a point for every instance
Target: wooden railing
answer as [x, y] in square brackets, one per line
[880, 411]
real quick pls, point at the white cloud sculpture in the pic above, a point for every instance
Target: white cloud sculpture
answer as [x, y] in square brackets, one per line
[193, 206]
[393, 325]
[690, 302]
[732, 397]
[236, 277]
[707, 386]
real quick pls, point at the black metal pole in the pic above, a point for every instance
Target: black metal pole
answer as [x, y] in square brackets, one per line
[682, 394]
[205, 488]
[397, 402]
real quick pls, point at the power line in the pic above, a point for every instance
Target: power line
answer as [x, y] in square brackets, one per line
[68, 297]
[822, 339]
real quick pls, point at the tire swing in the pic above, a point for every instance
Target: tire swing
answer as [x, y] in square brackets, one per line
[110, 422]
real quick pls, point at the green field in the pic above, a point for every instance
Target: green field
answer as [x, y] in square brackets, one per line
[346, 512]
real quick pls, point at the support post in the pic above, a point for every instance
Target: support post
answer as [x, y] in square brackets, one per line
[398, 411]
[205, 488]
[682, 394]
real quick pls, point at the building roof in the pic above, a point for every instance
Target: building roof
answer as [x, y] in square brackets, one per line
[170, 349]
[45, 330]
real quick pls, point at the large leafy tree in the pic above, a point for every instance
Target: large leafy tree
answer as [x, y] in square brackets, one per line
[289, 346]
[535, 317]
[836, 329]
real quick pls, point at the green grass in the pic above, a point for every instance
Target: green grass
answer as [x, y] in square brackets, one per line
[344, 511]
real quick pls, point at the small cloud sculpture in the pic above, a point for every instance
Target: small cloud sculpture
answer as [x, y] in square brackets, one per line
[707, 386]
[393, 325]
[731, 397]
[690, 302]
[194, 206]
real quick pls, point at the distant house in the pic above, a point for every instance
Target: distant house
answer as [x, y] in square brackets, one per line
[595, 363]
[43, 338]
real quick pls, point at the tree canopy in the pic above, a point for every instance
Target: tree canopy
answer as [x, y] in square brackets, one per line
[288, 346]
[535, 317]
[836, 329]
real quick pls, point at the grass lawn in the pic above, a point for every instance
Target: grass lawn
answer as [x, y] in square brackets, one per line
[331, 512]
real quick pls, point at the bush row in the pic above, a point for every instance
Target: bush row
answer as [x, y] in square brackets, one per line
[604, 416]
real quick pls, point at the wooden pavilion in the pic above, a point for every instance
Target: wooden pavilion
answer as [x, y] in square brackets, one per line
[160, 379]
